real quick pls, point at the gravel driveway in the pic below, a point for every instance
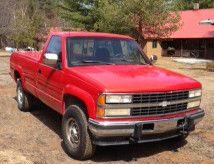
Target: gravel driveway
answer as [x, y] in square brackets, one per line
[36, 138]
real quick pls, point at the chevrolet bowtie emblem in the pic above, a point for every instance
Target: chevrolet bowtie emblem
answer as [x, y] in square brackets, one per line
[164, 103]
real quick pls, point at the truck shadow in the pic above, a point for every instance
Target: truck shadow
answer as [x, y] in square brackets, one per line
[127, 153]
[48, 117]
[130, 153]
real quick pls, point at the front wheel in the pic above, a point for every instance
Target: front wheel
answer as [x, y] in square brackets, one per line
[75, 134]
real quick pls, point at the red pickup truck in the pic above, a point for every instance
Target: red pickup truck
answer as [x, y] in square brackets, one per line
[107, 91]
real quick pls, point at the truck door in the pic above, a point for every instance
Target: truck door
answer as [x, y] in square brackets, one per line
[50, 78]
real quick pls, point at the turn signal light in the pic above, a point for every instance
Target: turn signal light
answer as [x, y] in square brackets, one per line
[100, 112]
[101, 100]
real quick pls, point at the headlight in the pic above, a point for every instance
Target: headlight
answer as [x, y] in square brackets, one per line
[193, 104]
[195, 93]
[104, 101]
[114, 99]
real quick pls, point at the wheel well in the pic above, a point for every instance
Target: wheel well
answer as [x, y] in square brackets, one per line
[17, 75]
[68, 99]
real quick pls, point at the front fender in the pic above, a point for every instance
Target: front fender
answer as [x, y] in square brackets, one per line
[83, 96]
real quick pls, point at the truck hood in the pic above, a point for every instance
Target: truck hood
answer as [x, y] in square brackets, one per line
[135, 78]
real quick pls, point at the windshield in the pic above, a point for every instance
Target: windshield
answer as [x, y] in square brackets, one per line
[103, 51]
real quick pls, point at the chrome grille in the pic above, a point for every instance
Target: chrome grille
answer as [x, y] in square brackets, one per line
[158, 110]
[151, 98]
[160, 97]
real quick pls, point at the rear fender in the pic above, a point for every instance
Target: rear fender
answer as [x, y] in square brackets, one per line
[21, 73]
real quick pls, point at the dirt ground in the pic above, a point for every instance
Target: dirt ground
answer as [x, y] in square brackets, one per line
[35, 137]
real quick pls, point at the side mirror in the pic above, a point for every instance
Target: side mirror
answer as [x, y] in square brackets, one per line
[153, 58]
[50, 59]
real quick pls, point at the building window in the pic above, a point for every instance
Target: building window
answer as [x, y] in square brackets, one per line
[154, 44]
[210, 44]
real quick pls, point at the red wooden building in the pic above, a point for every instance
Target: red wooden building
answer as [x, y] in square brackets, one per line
[192, 38]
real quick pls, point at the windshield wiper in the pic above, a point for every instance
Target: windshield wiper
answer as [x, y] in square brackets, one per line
[131, 62]
[95, 62]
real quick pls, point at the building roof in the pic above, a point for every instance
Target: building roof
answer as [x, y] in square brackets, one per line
[191, 28]
[190, 24]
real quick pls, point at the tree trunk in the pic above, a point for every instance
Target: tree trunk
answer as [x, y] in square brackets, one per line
[140, 33]
[1, 44]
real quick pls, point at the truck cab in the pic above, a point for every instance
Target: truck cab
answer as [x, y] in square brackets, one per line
[107, 91]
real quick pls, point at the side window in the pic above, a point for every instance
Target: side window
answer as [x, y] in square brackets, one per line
[154, 44]
[55, 46]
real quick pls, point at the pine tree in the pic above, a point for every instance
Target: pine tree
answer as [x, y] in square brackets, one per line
[121, 16]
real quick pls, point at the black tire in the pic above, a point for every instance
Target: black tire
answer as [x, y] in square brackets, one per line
[76, 137]
[24, 100]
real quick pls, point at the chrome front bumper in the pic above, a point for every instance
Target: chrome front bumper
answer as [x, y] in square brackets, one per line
[127, 129]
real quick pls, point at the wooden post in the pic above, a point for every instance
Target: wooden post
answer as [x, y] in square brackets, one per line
[1, 44]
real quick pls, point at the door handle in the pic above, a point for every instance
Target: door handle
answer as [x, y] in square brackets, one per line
[39, 71]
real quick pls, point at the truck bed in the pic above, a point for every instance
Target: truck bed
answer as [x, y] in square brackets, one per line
[28, 55]
[26, 63]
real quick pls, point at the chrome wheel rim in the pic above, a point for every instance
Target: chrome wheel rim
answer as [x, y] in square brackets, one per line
[20, 96]
[72, 132]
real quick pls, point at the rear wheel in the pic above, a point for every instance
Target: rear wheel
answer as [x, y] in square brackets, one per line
[24, 99]
[75, 133]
